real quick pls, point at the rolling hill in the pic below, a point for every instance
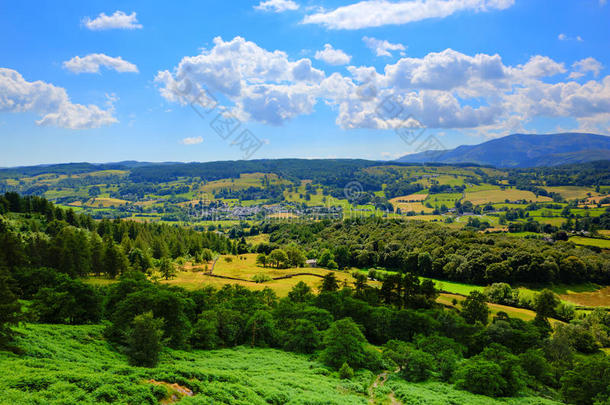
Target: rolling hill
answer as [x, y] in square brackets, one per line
[523, 150]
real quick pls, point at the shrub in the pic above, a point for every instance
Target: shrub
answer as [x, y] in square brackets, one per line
[480, 376]
[346, 372]
[418, 366]
[261, 278]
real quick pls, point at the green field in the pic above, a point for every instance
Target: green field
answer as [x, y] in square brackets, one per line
[601, 243]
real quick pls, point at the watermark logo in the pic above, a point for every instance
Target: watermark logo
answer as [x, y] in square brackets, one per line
[226, 124]
[352, 190]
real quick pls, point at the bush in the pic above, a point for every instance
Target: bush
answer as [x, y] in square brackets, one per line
[346, 372]
[261, 278]
[418, 366]
[447, 362]
[480, 376]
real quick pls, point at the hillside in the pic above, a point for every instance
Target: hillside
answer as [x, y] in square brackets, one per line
[522, 150]
[73, 364]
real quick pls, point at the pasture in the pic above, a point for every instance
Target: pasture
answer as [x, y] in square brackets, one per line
[573, 192]
[600, 243]
[497, 195]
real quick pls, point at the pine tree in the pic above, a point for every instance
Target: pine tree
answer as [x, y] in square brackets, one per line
[10, 310]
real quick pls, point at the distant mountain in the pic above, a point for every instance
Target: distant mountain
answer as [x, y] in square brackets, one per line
[523, 150]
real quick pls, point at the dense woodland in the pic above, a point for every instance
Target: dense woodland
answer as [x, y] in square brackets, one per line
[45, 251]
[436, 251]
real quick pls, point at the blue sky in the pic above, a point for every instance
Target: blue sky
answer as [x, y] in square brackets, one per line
[97, 80]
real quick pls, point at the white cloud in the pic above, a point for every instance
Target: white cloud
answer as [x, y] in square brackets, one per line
[542, 66]
[277, 6]
[92, 62]
[564, 37]
[118, 20]
[49, 101]
[445, 89]
[382, 47]
[192, 140]
[584, 66]
[376, 13]
[264, 86]
[333, 56]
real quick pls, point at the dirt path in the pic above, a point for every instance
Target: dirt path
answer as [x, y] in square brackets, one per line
[379, 382]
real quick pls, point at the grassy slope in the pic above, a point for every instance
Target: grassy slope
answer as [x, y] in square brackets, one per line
[434, 393]
[73, 364]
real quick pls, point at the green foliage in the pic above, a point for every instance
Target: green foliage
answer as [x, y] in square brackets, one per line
[344, 343]
[545, 303]
[587, 382]
[278, 258]
[261, 278]
[74, 364]
[346, 372]
[301, 293]
[167, 268]
[303, 337]
[474, 308]
[70, 301]
[480, 376]
[205, 335]
[329, 283]
[144, 340]
[10, 310]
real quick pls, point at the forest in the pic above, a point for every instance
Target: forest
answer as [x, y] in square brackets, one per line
[384, 322]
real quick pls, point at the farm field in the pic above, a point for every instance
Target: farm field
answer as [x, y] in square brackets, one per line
[498, 196]
[573, 192]
[599, 297]
[600, 243]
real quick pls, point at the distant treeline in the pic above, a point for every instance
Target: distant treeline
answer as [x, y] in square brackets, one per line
[437, 251]
[48, 236]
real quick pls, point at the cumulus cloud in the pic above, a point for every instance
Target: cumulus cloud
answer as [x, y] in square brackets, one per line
[381, 47]
[50, 102]
[264, 86]
[118, 20]
[376, 13]
[333, 56]
[192, 140]
[447, 89]
[584, 66]
[277, 6]
[92, 62]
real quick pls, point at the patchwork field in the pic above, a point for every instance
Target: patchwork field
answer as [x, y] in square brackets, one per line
[573, 192]
[600, 243]
[597, 298]
[498, 196]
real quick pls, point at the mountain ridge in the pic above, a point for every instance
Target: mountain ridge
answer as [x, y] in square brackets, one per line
[523, 150]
